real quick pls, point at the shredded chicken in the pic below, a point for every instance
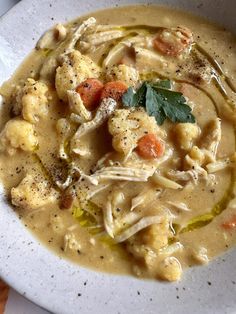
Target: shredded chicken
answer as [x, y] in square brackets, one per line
[180, 206]
[183, 175]
[77, 106]
[144, 197]
[52, 37]
[77, 33]
[165, 182]
[104, 111]
[171, 249]
[212, 139]
[141, 224]
[90, 41]
[63, 130]
[123, 173]
[218, 165]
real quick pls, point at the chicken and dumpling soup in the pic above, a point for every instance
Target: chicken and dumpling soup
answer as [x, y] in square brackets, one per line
[118, 141]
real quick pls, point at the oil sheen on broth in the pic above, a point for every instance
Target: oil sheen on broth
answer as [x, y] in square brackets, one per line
[118, 141]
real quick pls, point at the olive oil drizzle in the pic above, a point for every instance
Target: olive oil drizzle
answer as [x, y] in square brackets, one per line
[218, 208]
[215, 66]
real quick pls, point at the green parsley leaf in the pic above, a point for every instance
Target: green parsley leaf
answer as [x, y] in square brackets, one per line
[135, 99]
[160, 102]
[166, 84]
[175, 107]
[153, 106]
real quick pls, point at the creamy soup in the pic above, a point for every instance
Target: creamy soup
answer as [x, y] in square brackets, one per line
[118, 141]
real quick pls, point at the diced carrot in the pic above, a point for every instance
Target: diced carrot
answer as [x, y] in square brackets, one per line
[230, 224]
[173, 41]
[90, 92]
[167, 48]
[149, 147]
[114, 90]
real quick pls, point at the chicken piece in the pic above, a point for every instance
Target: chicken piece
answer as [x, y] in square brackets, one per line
[63, 130]
[77, 106]
[32, 101]
[63, 127]
[50, 38]
[170, 269]
[124, 73]
[123, 173]
[74, 70]
[58, 55]
[77, 32]
[186, 133]
[128, 126]
[33, 193]
[89, 42]
[18, 134]
[212, 139]
[104, 111]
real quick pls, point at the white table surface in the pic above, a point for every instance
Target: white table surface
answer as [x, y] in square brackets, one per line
[17, 304]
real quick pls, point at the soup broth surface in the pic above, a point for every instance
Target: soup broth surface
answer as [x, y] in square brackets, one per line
[114, 182]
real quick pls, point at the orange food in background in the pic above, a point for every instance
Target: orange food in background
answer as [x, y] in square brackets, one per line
[230, 224]
[4, 289]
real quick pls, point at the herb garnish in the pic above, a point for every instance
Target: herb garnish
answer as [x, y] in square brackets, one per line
[159, 101]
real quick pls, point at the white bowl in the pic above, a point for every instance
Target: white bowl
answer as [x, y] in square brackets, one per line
[59, 285]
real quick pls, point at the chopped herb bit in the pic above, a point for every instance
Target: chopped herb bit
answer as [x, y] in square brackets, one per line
[160, 102]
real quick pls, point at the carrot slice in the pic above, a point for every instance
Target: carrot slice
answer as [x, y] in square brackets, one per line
[230, 224]
[114, 90]
[167, 48]
[149, 147]
[90, 92]
[173, 41]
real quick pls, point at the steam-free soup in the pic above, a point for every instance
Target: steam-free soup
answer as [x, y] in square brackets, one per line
[118, 141]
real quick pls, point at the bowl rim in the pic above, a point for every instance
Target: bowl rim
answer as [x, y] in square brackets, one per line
[38, 274]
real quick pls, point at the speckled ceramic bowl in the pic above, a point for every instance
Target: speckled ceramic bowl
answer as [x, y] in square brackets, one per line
[58, 285]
